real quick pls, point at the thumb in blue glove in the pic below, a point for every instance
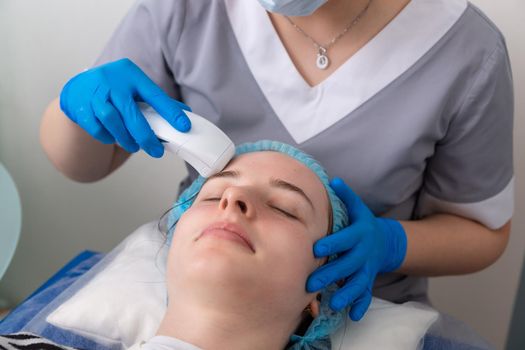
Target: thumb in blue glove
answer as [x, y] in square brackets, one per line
[102, 101]
[368, 246]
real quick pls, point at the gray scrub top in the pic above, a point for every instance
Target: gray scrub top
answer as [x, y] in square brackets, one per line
[419, 121]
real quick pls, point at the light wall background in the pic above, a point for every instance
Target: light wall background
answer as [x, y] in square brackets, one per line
[43, 43]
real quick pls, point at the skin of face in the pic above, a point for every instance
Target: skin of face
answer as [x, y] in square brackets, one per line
[252, 197]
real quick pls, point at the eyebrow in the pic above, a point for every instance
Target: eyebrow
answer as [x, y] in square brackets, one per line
[225, 173]
[290, 187]
[274, 182]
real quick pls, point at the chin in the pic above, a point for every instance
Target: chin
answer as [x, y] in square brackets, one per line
[216, 261]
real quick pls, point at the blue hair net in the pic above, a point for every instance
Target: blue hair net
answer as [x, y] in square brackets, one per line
[317, 336]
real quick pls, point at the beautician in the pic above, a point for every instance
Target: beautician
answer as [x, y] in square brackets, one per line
[409, 102]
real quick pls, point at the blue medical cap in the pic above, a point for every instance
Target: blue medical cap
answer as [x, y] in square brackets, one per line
[317, 336]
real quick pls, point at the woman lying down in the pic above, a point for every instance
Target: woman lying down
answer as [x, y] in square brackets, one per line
[241, 252]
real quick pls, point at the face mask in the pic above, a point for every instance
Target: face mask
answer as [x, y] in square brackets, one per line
[292, 7]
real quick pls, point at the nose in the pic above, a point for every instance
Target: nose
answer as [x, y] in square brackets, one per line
[237, 199]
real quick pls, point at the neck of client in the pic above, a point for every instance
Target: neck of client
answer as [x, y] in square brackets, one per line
[224, 316]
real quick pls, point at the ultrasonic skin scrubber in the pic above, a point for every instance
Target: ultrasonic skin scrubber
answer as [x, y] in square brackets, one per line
[205, 147]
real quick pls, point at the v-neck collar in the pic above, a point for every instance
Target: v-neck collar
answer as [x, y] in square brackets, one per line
[306, 111]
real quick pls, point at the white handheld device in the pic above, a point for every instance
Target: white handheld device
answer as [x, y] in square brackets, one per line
[205, 147]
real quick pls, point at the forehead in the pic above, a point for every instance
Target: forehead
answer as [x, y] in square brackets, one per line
[268, 164]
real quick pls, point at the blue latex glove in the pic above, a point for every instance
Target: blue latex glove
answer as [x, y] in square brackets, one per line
[102, 101]
[368, 246]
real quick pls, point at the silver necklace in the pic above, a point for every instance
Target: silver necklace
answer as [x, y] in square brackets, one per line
[323, 61]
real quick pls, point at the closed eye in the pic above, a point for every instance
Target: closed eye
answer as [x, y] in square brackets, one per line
[211, 199]
[284, 212]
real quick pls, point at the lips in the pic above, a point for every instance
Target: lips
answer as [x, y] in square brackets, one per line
[228, 230]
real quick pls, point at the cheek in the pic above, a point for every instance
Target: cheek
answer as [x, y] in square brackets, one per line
[194, 220]
[289, 256]
[189, 226]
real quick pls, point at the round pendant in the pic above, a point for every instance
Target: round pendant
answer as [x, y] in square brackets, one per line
[322, 61]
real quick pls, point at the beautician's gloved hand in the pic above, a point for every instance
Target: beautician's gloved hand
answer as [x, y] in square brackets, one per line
[102, 101]
[369, 245]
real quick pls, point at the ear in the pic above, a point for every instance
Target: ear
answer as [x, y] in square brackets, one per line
[314, 307]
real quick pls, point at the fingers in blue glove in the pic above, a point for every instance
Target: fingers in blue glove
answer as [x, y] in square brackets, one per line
[168, 108]
[111, 119]
[137, 125]
[346, 265]
[87, 121]
[360, 307]
[355, 287]
[339, 241]
[102, 101]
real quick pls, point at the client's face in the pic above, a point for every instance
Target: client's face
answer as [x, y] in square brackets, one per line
[250, 231]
